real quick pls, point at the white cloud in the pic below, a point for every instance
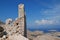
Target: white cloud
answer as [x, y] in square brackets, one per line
[52, 16]
[54, 11]
[45, 22]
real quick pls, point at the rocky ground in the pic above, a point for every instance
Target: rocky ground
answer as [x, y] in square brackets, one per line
[13, 34]
[40, 35]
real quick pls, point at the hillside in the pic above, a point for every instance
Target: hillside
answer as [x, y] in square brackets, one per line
[1, 22]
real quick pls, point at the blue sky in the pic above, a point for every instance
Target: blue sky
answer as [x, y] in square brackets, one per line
[39, 13]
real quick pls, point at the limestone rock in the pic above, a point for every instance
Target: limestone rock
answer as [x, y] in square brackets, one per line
[16, 37]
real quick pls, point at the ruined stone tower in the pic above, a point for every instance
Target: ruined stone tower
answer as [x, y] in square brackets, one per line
[17, 26]
[22, 17]
[20, 22]
[21, 10]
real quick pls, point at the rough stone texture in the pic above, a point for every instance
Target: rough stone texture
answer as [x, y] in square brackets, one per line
[16, 37]
[20, 10]
[18, 25]
[14, 28]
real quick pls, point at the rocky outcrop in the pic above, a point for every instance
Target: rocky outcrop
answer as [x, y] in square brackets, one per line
[1, 31]
[17, 37]
[32, 35]
[46, 37]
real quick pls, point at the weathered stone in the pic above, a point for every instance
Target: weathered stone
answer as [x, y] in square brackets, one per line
[1, 31]
[16, 37]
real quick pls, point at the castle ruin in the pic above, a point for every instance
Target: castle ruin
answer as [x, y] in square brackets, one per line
[18, 26]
